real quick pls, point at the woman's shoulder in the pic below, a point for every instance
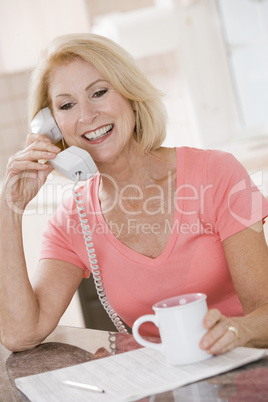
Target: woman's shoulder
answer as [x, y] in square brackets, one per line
[183, 156]
[207, 164]
[195, 152]
[209, 156]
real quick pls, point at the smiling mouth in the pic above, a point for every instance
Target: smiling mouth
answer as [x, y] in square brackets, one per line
[99, 133]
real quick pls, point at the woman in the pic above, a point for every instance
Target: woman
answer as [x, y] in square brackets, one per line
[164, 221]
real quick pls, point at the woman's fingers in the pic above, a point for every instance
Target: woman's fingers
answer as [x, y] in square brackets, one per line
[26, 172]
[224, 343]
[219, 339]
[212, 317]
[40, 145]
[28, 158]
[17, 166]
[222, 335]
[32, 137]
[35, 155]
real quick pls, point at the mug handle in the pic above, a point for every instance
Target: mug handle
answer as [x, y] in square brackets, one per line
[135, 331]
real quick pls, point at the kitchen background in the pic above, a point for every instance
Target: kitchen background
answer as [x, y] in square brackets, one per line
[209, 57]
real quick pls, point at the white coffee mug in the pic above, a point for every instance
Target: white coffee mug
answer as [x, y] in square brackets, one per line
[180, 323]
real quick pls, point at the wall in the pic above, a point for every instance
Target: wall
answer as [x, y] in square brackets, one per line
[13, 115]
[29, 25]
[164, 71]
[100, 7]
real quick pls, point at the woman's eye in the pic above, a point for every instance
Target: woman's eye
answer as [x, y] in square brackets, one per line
[100, 93]
[66, 106]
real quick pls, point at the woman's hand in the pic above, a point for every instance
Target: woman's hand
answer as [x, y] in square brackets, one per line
[247, 256]
[223, 334]
[24, 174]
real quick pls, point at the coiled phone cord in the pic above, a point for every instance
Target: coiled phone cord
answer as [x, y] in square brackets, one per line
[93, 260]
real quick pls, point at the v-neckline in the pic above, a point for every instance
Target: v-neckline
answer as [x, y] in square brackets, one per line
[128, 252]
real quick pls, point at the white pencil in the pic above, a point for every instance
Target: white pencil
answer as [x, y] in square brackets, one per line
[80, 385]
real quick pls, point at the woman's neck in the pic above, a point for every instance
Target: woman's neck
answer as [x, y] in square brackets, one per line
[137, 169]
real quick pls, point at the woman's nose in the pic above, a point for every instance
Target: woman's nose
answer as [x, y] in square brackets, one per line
[88, 113]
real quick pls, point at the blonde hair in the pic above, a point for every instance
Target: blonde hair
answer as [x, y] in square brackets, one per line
[118, 67]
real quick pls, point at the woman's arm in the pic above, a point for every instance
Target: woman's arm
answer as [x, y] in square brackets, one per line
[27, 315]
[247, 256]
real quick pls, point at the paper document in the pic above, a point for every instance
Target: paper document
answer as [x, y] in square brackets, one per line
[128, 376]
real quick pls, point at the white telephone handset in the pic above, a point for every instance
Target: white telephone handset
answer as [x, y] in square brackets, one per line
[72, 160]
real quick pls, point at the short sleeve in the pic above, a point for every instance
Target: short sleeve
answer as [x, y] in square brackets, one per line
[59, 242]
[237, 202]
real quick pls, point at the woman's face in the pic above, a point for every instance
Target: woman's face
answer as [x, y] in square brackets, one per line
[90, 113]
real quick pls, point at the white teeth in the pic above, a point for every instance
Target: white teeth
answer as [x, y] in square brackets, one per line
[93, 135]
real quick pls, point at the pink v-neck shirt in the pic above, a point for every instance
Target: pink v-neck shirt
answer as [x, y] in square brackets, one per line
[215, 199]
